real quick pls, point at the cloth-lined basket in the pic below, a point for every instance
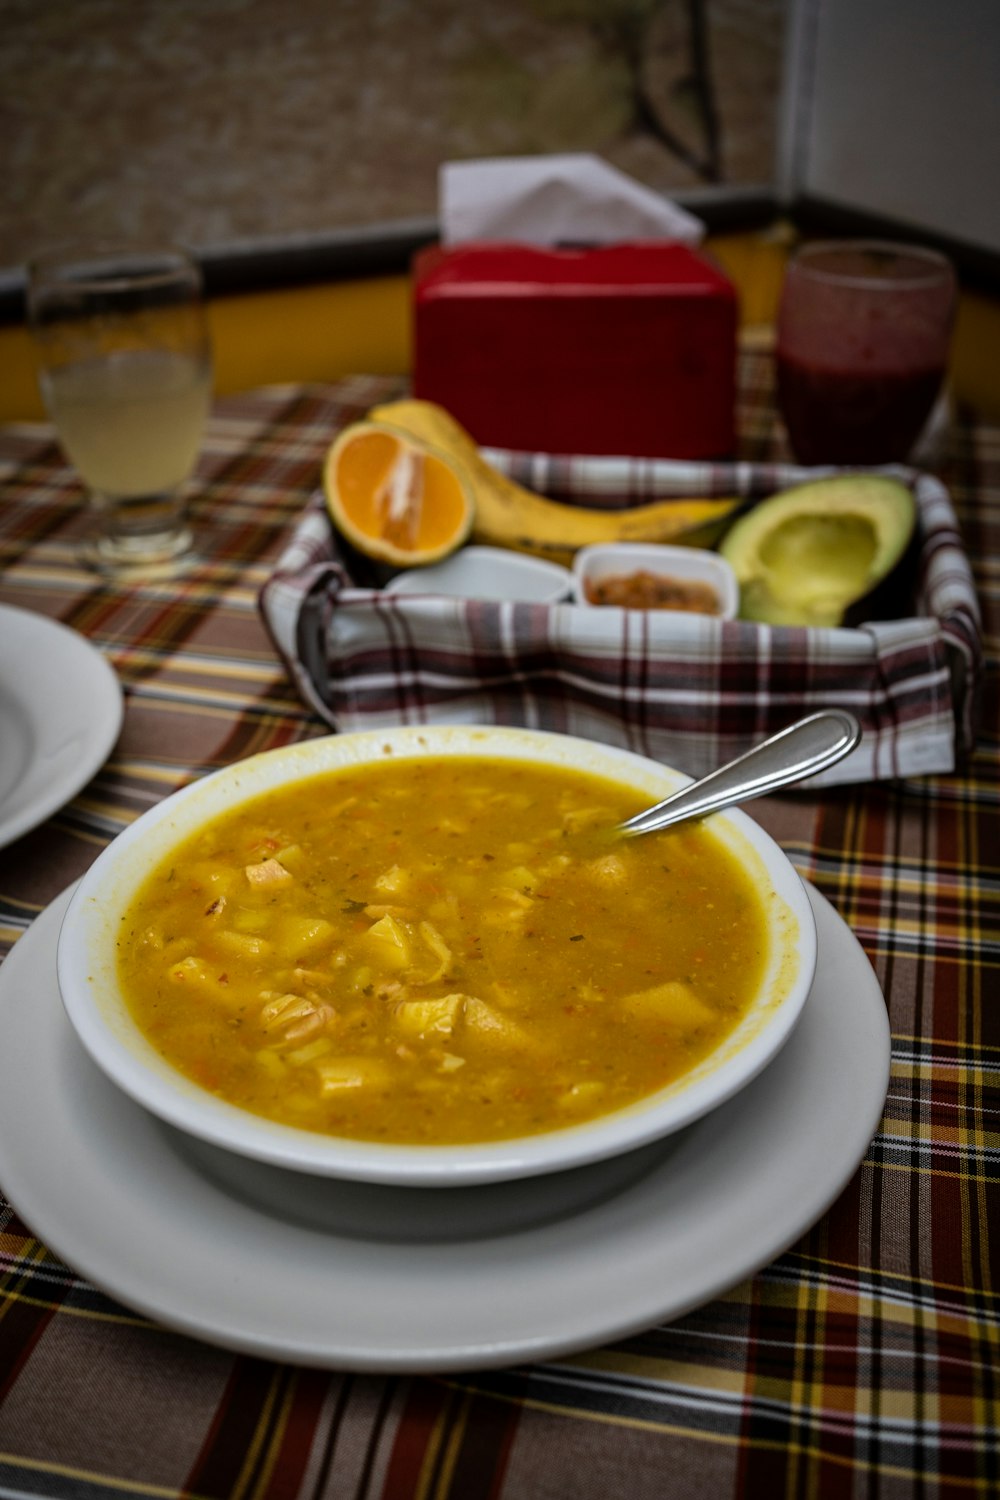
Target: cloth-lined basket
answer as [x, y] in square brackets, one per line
[687, 690]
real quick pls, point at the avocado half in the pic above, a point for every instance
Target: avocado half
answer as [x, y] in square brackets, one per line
[805, 555]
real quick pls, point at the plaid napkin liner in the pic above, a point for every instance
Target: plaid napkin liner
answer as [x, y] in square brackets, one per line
[689, 691]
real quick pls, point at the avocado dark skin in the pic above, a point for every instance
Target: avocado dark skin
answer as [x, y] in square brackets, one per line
[894, 597]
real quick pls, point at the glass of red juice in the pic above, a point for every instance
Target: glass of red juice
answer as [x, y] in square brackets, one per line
[864, 328]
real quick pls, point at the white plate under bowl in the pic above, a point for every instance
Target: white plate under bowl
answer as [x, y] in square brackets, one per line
[88, 948]
[124, 1202]
[61, 712]
[685, 564]
[488, 573]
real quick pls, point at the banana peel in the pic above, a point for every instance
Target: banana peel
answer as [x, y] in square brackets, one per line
[508, 515]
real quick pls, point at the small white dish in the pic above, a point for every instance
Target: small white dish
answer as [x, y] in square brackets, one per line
[88, 963]
[61, 712]
[683, 564]
[125, 1202]
[488, 573]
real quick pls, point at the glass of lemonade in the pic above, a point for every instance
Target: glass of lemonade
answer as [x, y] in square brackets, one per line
[125, 369]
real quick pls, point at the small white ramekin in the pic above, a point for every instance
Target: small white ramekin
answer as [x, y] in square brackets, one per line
[687, 564]
[488, 573]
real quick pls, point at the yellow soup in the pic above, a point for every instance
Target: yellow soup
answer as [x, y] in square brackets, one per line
[446, 950]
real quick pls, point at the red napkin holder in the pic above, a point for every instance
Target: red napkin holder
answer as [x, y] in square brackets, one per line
[623, 349]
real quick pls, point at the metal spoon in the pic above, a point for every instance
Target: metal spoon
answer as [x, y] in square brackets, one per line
[803, 749]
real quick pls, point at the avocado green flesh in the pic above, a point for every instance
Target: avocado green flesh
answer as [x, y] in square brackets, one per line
[815, 566]
[805, 556]
[758, 604]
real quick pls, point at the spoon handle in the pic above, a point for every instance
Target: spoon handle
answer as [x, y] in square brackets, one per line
[803, 749]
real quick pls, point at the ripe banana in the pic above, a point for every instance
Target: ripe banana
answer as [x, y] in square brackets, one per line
[508, 515]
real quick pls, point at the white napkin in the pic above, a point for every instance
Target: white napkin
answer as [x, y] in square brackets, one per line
[548, 200]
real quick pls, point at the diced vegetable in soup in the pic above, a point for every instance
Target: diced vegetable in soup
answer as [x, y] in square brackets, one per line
[441, 950]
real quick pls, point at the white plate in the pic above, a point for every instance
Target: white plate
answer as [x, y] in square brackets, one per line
[120, 1198]
[60, 713]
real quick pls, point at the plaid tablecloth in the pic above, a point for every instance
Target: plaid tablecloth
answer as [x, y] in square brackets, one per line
[864, 1361]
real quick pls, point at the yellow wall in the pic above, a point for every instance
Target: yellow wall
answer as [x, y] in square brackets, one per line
[312, 333]
[302, 333]
[318, 333]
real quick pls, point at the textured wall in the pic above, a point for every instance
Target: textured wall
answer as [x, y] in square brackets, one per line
[212, 120]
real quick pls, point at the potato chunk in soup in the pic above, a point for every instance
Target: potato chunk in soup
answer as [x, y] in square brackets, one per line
[441, 950]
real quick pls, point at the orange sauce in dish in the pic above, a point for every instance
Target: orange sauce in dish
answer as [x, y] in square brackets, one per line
[645, 590]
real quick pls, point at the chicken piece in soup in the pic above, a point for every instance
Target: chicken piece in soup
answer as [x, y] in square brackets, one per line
[441, 950]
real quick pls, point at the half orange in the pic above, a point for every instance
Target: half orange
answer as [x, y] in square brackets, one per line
[396, 500]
